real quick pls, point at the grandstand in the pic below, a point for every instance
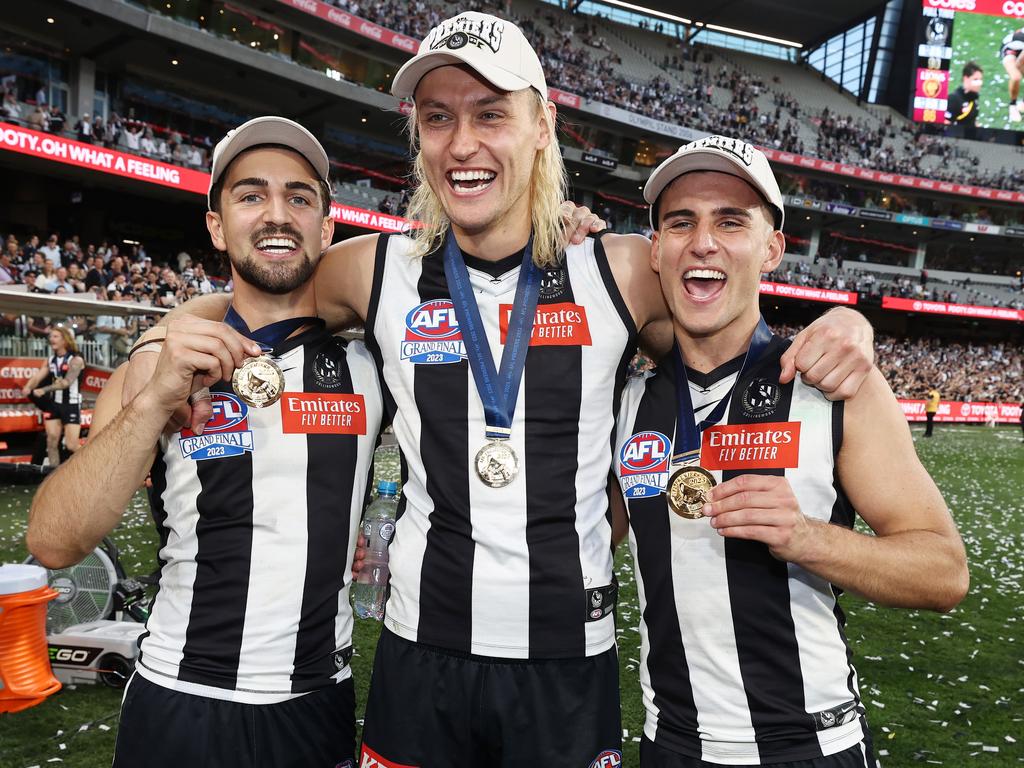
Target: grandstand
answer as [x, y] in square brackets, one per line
[110, 110]
[629, 93]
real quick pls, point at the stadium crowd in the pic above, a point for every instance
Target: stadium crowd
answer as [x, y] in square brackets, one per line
[833, 274]
[107, 272]
[984, 372]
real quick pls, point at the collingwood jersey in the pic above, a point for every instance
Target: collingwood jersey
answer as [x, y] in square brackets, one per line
[59, 365]
[1013, 44]
[523, 571]
[744, 658]
[257, 520]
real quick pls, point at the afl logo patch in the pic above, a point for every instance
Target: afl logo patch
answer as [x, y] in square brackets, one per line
[432, 334]
[643, 464]
[610, 758]
[760, 398]
[226, 434]
[553, 282]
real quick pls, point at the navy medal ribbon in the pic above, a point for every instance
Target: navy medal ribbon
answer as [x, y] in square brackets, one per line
[688, 434]
[498, 389]
[269, 336]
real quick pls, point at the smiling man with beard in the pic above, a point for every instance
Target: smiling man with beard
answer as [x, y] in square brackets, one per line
[245, 659]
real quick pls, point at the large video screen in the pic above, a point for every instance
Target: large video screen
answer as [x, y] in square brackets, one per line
[987, 38]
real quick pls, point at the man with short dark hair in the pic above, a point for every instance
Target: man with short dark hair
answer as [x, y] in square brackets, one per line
[741, 495]
[962, 105]
[245, 661]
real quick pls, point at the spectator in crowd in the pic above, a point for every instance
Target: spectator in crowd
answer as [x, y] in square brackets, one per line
[56, 120]
[84, 129]
[38, 120]
[11, 108]
[931, 407]
[9, 273]
[51, 251]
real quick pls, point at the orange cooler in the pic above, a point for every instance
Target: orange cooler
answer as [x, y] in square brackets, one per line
[25, 675]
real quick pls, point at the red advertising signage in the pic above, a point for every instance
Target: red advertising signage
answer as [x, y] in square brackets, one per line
[958, 310]
[807, 292]
[1012, 8]
[355, 24]
[49, 147]
[884, 177]
[930, 95]
[16, 371]
[360, 217]
[974, 413]
[564, 98]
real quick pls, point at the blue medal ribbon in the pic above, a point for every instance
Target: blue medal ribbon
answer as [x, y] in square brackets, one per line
[269, 336]
[687, 433]
[498, 389]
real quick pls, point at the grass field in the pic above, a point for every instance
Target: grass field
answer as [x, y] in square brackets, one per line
[977, 38]
[939, 689]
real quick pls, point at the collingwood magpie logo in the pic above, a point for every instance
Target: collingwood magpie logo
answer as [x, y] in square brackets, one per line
[552, 283]
[760, 397]
[462, 31]
[327, 367]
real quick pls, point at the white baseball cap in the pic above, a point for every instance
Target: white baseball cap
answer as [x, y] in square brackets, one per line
[722, 154]
[494, 48]
[267, 130]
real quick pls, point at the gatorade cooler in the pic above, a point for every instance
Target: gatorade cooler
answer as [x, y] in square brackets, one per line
[25, 675]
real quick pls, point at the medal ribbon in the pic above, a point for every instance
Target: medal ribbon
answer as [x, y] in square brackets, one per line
[498, 389]
[269, 336]
[687, 433]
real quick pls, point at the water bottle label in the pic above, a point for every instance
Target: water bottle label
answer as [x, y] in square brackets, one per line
[387, 531]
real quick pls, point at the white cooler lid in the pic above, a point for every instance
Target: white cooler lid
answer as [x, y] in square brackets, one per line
[20, 577]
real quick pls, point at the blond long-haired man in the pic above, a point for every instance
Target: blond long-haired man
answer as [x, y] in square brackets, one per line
[503, 354]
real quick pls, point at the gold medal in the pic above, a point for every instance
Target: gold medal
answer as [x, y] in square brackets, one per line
[258, 381]
[687, 491]
[497, 464]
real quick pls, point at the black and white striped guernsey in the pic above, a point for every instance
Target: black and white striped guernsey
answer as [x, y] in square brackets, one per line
[1013, 44]
[59, 365]
[257, 520]
[744, 657]
[523, 571]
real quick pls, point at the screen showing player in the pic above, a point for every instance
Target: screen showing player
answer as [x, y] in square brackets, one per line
[970, 64]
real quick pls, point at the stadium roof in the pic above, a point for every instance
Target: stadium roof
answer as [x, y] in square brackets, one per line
[808, 22]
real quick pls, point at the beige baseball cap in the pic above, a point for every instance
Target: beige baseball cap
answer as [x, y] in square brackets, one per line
[268, 130]
[494, 48]
[722, 154]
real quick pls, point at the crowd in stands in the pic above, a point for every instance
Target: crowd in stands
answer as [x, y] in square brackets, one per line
[106, 272]
[833, 273]
[983, 372]
[577, 58]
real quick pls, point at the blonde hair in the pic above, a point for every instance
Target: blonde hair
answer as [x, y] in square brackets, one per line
[69, 338]
[548, 190]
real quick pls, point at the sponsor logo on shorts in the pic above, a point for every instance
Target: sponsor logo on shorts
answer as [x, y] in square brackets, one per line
[432, 334]
[554, 325]
[370, 759]
[610, 758]
[643, 465]
[322, 414]
[775, 445]
[226, 434]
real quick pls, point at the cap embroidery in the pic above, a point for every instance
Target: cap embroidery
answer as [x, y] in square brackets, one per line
[462, 30]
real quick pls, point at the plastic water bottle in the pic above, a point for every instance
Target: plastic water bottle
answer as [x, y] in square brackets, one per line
[378, 527]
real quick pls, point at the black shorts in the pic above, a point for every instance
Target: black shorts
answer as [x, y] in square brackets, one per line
[68, 414]
[858, 756]
[161, 728]
[432, 708]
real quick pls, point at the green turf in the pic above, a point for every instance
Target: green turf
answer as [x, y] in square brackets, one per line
[938, 689]
[978, 38]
